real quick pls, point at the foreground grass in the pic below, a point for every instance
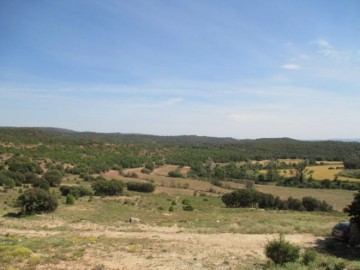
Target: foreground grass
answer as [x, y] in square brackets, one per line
[60, 239]
[209, 215]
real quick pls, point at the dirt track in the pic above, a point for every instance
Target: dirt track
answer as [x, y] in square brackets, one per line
[164, 248]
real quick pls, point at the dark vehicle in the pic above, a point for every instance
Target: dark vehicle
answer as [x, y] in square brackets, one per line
[341, 231]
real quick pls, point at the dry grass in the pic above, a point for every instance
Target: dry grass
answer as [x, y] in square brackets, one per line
[329, 172]
[336, 197]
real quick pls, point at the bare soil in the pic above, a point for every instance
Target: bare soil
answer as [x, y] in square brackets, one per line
[140, 246]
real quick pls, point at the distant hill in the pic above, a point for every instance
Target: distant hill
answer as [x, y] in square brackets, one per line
[194, 148]
[347, 140]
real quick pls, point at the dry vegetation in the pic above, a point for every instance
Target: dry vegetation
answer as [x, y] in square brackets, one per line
[95, 233]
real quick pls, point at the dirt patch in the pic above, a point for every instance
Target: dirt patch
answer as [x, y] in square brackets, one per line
[152, 247]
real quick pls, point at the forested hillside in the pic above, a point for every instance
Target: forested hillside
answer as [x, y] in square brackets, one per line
[183, 149]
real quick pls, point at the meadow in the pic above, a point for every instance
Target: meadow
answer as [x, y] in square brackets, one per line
[95, 232]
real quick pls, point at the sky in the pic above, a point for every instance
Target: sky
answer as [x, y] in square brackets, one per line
[235, 68]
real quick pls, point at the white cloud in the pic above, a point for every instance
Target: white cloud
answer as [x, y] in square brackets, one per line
[328, 50]
[290, 66]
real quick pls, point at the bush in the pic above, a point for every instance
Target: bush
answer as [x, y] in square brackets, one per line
[353, 210]
[146, 170]
[30, 178]
[186, 201]
[241, 198]
[252, 198]
[281, 251]
[70, 199]
[37, 200]
[294, 204]
[9, 183]
[140, 187]
[188, 208]
[41, 183]
[54, 177]
[76, 191]
[150, 166]
[108, 188]
[18, 177]
[309, 256]
[176, 174]
[310, 203]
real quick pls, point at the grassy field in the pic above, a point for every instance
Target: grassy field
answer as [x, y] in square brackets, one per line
[95, 232]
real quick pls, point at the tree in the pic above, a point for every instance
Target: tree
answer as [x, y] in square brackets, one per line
[353, 210]
[240, 198]
[140, 187]
[36, 201]
[272, 174]
[108, 188]
[54, 177]
[301, 171]
[41, 183]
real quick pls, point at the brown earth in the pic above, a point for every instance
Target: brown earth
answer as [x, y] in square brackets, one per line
[139, 246]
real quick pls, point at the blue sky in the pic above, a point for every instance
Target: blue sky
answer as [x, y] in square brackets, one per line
[243, 69]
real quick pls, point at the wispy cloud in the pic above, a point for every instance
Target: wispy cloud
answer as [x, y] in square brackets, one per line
[328, 50]
[291, 66]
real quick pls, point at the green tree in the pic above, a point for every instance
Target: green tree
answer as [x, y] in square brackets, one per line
[272, 174]
[36, 200]
[108, 188]
[54, 177]
[353, 210]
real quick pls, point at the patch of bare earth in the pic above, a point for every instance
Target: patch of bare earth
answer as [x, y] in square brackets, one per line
[151, 247]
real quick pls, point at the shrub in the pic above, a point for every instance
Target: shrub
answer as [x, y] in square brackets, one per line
[54, 177]
[37, 200]
[251, 198]
[18, 177]
[41, 183]
[188, 208]
[176, 174]
[140, 187]
[146, 170]
[294, 204]
[353, 210]
[108, 188]
[150, 166]
[186, 201]
[23, 165]
[240, 198]
[309, 256]
[131, 175]
[86, 177]
[9, 183]
[250, 184]
[70, 199]
[171, 208]
[310, 203]
[76, 191]
[30, 178]
[281, 251]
